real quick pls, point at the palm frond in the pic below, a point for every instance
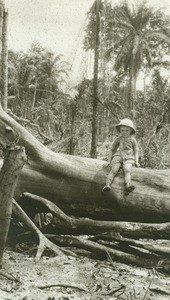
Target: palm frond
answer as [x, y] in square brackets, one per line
[165, 63]
[123, 24]
[158, 35]
[124, 42]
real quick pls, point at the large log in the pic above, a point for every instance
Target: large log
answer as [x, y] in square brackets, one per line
[75, 184]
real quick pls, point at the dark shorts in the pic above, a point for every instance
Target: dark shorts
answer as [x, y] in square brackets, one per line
[119, 160]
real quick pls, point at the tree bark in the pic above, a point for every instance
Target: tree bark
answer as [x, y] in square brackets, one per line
[105, 230]
[147, 260]
[4, 58]
[75, 184]
[34, 95]
[72, 143]
[132, 95]
[1, 26]
[13, 163]
[1, 22]
[93, 152]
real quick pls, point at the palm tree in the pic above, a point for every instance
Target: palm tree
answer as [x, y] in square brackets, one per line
[140, 35]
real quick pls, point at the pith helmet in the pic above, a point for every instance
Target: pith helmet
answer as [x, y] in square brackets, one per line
[126, 122]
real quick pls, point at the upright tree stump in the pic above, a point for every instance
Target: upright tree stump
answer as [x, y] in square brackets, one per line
[14, 160]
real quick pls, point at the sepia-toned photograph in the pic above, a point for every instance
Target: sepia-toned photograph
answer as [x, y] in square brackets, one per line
[84, 150]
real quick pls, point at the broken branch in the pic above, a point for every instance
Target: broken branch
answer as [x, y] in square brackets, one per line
[43, 241]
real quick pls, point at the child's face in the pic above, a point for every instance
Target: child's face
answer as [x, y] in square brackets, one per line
[125, 131]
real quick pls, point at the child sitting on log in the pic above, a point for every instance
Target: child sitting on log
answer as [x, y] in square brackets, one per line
[123, 153]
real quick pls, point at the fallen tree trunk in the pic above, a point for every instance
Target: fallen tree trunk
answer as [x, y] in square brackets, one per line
[74, 184]
[84, 198]
[158, 249]
[106, 230]
[146, 260]
[124, 250]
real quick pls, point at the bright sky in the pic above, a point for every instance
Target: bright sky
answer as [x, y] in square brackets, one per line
[56, 24]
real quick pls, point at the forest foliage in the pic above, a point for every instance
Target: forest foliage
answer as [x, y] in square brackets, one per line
[134, 49]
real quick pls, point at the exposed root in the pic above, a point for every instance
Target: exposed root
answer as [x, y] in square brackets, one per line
[43, 241]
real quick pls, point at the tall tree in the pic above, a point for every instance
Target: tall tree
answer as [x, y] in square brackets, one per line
[139, 33]
[1, 21]
[1, 42]
[4, 58]
[93, 153]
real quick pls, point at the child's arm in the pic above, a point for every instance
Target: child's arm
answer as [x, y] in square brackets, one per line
[113, 150]
[136, 152]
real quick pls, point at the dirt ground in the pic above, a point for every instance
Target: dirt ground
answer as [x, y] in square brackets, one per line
[66, 278]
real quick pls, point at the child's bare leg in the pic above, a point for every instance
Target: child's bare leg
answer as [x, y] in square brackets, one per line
[111, 176]
[113, 173]
[127, 167]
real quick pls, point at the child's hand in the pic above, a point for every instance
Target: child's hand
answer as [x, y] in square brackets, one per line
[107, 165]
[137, 165]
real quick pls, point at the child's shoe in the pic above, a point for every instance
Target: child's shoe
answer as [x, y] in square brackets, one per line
[106, 188]
[129, 189]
